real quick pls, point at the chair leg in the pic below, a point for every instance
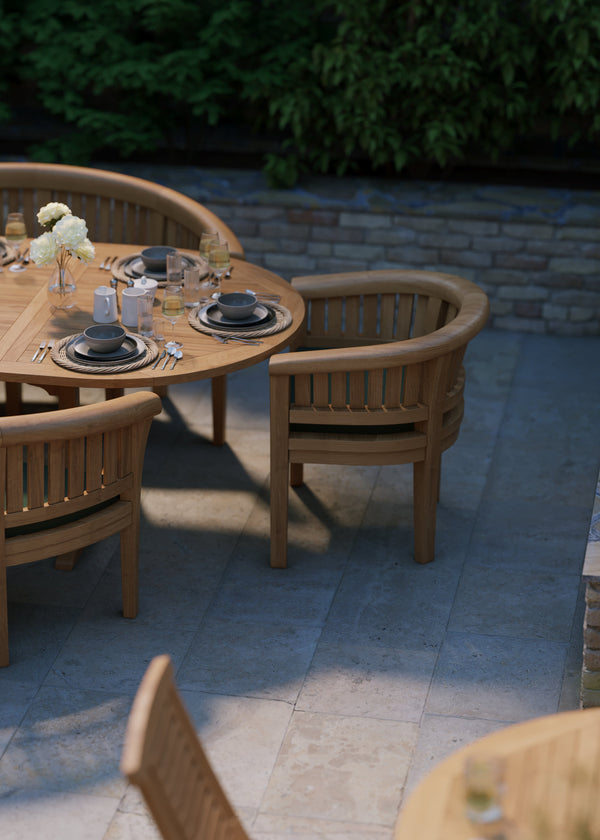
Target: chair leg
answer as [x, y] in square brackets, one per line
[219, 408]
[130, 569]
[425, 489]
[67, 562]
[280, 473]
[3, 618]
[296, 475]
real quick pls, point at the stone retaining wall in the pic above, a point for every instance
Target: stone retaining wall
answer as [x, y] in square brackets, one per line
[536, 252]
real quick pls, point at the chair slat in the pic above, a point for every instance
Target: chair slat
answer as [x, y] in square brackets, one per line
[35, 475]
[321, 390]
[420, 320]
[394, 377]
[14, 487]
[353, 307]
[370, 327]
[404, 317]
[412, 384]
[93, 463]
[386, 317]
[317, 317]
[56, 471]
[339, 390]
[302, 390]
[356, 389]
[375, 388]
[335, 313]
[111, 456]
[76, 468]
[119, 229]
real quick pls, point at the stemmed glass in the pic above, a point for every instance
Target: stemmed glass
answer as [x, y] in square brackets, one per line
[206, 239]
[172, 309]
[219, 260]
[16, 233]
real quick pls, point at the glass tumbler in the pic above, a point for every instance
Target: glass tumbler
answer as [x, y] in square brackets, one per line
[191, 286]
[145, 315]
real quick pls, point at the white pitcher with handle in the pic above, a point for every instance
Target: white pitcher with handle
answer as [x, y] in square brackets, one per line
[105, 305]
[129, 306]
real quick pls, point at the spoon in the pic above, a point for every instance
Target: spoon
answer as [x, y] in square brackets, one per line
[178, 354]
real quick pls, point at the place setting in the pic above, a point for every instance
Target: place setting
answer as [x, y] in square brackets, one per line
[239, 316]
[104, 348]
[152, 263]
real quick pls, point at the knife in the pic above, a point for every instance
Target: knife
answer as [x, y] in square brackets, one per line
[162, 356]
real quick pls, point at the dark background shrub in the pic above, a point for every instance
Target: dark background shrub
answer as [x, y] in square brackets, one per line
[323, 86]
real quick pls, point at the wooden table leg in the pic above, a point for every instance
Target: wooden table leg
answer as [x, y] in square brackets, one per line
[14, 398]
[219, 406]
[113, 393]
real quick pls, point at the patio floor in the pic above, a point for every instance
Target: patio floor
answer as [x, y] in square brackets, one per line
[323, 692]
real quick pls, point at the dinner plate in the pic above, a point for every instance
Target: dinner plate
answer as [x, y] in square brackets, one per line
[131, 349]
[136, 268]
[211, 316]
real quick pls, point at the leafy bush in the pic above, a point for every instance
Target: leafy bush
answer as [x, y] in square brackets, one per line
[385, 81]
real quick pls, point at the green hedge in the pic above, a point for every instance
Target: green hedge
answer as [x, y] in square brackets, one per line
[389, 82]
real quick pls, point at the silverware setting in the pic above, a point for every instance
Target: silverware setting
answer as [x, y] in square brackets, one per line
[49, 347]
[162, 356]
[22, 260]
[107, 264]
[225, 338]
[170, 352]
[41, 347]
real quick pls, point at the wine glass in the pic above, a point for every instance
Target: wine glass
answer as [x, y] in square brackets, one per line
[172, 309]
[16, 233]
[219, 260]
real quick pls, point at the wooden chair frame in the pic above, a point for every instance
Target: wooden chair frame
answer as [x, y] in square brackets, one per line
[381, 383]
[164, 758]
[117, 208]
[70, 478]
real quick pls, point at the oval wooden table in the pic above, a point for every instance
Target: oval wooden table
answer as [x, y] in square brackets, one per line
[26, 319]
[551, 779]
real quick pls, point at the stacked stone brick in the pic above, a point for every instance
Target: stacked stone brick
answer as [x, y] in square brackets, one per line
[590, 675]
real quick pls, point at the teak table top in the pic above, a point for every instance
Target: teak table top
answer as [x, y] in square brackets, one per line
[26, 319]
[552, 777]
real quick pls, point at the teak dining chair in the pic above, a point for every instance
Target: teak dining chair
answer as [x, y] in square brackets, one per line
[116, 208]
[381, 382]
[70, 478]
[164, 758]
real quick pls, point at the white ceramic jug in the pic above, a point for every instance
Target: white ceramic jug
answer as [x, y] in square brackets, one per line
[105, 305]
[129, 306]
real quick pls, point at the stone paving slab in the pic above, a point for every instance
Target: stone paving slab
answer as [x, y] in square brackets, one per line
[325, 691]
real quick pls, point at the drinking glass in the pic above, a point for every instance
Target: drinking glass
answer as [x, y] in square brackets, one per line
[145, 305]
[174, 269]
[191, 286]
[172, 309]
[205, 242]
[484, 784]
[218, 260]
[15, 230]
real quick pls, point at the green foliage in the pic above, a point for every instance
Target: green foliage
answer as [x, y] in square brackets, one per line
[390, 82]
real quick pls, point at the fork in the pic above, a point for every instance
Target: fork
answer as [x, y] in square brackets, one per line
[110, 264]
[104, 263]
[225, 338]
[49, 347]
[41, 347]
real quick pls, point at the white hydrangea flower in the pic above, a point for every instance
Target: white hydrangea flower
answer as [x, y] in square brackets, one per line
[70, 231]
[44, 249]
[52, 212]
[85, 251]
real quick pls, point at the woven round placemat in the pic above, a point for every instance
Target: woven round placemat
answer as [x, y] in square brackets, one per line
[59, 355]
[283, 319]
[8, 252]
[118, 269]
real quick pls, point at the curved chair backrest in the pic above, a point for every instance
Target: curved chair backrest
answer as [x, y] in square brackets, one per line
[164, 758]
[68, 479]
[116, 207]
[383, 383]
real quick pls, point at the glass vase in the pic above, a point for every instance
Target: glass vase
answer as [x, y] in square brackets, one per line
[61, 289]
